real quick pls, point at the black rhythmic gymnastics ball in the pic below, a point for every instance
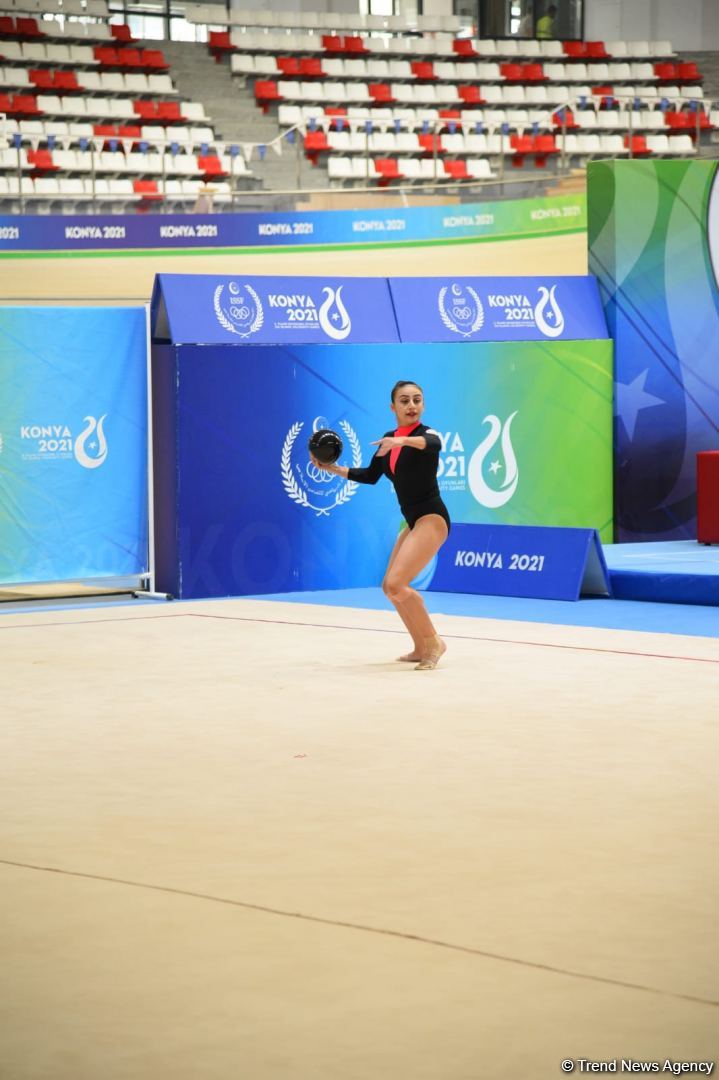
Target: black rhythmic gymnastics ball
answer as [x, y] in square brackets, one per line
[325, 446]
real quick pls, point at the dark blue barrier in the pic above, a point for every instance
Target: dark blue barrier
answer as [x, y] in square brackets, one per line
[498, 309]
[540, 562]
[188, 308]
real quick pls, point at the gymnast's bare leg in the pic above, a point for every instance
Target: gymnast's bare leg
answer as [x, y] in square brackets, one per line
[412, 552]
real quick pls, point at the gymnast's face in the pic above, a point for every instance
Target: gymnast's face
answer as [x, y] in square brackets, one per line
[408, 405]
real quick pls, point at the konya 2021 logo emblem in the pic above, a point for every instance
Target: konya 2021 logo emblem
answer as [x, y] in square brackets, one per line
[92, 437]
[494, 484]
[463, 313]
[55, 442]
[551, 323]
[309, 486]
[333, 316]
[241, 313]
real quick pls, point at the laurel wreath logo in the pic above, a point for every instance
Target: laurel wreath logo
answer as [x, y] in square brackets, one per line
[450, 323]
[293, 489]
[225, 322]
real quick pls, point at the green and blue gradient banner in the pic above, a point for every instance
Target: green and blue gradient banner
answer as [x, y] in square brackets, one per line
[73, 443]
[654, 247]
[526, 430]
[414, 224]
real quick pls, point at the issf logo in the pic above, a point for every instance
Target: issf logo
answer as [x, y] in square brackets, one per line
[460, 309]
[240, 311]
[305, 484]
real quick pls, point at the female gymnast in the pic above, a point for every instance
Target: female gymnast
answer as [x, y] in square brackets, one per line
[408, 456]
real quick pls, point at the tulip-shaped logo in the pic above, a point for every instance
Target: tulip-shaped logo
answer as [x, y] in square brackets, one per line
[551, 322]
[92, 436]
[507, 475]
[333, 316]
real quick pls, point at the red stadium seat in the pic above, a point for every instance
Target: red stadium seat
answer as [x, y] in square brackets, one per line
[41, 77]
[129, 131]
[543, 146]
[457, 170]
[5, 103]
[689, 73]
[666, 72]
[470, 95]
[332, 43]
[595, 50]
[575, 50]
[105, 55]
[169, 110]
[25, 105]
[265, 92]
[148, 190]
[65, 80]
[423, 69]
[522, 145]
[145, 110]
[129, 58]
[311, 67]
[380, 92]
[354, 44]
[154, 59]
[288, 65]
[211, 166]
[533, 73]
[41, 161]
[315, 144]
[603, 91]
[464, 47]
[449, 114]
[108, 131]
[121, 32]
[569, 120]
[27, 27]
[219, 43]
[7, 26]
[431, 142]
[388, 169]
[511, 72]
[639, 146]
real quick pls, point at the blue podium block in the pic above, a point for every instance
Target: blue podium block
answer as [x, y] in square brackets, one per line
[540, 562]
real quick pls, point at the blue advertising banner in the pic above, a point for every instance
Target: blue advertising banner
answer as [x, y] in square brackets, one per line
[73, 443]
[271, 310]
[498, 309]
[525, 430]
[515, 217]
[520, 560]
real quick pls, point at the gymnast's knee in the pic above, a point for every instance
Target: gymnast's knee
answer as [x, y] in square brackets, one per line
[395, 589]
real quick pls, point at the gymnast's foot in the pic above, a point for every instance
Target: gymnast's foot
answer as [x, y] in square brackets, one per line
[411, 657]
[434, 649]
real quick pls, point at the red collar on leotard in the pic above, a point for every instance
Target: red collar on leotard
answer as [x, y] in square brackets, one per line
[394, 452]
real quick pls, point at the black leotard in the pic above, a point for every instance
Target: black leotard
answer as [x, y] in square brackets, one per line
[414, 477]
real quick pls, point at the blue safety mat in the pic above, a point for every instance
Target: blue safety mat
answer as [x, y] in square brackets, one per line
[594, 611]
[671, 572]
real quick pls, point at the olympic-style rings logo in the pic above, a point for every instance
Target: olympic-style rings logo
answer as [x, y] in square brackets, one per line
[320, 476]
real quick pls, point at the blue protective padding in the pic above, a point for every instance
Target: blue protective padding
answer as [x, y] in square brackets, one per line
[693, 621]
[520, 560]
[671, 572]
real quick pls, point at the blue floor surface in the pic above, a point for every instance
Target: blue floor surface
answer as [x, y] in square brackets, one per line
[693, 620]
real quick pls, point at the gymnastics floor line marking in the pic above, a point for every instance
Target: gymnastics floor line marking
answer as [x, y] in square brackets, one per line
[362, 927]
[465, 637]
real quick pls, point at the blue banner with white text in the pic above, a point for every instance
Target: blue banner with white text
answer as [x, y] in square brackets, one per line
[73, 443]
[402, 224]
[498, 309]
[271, 310]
